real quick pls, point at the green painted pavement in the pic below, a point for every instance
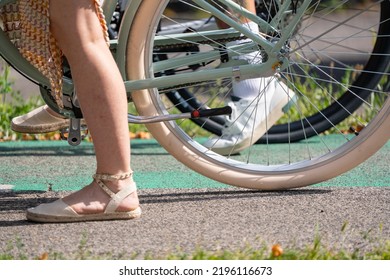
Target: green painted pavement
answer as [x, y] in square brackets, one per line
[54, 165]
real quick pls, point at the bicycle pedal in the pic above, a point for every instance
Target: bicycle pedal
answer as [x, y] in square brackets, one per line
[73, 134]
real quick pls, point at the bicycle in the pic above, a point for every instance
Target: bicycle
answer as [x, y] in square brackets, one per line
[289, 52]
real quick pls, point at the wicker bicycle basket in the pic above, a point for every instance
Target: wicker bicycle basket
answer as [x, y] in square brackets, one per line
[27, 24]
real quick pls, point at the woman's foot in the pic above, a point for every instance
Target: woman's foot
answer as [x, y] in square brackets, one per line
[112, 199]
[92, 199]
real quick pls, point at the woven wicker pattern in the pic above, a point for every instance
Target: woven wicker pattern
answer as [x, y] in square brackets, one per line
[10, 18]
[27, 24]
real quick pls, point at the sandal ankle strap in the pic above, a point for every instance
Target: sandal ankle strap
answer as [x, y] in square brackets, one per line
[116, 198]
[109, 177]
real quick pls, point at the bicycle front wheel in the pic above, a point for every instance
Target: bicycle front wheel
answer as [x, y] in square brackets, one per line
[306, 76]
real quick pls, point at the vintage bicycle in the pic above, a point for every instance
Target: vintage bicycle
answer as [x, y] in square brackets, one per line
[332, 55]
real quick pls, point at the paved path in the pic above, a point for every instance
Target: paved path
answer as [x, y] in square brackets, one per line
[190, 211]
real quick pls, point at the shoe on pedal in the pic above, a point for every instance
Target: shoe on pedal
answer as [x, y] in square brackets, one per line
[251, 118]
[39, 120]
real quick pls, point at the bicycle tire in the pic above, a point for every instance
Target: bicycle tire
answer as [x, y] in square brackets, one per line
[244, 170]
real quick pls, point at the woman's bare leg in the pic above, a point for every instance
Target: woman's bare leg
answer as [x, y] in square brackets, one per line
[102, 97]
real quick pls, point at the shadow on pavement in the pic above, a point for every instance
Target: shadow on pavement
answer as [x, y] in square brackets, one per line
[187, 196]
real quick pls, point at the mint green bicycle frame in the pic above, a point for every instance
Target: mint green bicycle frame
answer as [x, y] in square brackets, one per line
[276, 58]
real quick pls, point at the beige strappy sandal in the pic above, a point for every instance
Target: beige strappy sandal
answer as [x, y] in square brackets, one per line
[60, 212]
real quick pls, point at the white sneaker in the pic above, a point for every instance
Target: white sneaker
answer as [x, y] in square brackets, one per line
[251, 118]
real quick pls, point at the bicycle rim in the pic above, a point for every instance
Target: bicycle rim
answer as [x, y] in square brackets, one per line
[264, 166]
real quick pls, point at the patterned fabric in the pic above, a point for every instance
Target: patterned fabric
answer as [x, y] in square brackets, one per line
[27, 24]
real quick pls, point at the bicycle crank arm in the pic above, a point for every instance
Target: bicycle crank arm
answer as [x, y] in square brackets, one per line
[73, 133]
[171, 117]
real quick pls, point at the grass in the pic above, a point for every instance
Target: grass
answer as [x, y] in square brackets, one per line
[317, 95]
[314, 251]
[12, 104]
[376, 248]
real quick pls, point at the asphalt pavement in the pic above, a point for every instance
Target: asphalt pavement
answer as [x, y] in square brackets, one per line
[182, 210]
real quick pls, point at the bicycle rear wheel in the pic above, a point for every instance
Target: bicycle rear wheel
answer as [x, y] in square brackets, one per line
[257, 167]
